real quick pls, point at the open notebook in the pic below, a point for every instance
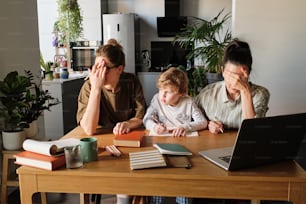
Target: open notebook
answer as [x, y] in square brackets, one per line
[261, 141]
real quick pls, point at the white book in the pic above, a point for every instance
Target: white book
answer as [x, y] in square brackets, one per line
[50, 148]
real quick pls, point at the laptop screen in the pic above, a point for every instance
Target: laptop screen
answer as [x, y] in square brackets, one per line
[267, 140]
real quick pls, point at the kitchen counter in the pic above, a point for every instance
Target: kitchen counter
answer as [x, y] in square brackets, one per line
[72, 76]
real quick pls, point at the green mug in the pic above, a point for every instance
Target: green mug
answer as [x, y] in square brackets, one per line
[89, 149]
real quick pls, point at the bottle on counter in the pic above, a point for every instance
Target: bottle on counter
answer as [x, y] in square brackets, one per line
[64, 73]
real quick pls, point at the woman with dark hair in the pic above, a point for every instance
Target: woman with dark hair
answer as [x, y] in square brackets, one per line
[226, 103]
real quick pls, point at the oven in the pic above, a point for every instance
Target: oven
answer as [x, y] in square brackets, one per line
[83, 54]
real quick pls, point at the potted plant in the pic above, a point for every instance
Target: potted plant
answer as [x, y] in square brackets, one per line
[12, 108]
[196, 79]
[38, 100]
[46, 66]
[208, 40]
[68, 26]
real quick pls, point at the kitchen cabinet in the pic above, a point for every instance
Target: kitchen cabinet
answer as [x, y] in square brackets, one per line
[62, 117]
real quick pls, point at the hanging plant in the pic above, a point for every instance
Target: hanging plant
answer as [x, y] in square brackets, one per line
[70, 20]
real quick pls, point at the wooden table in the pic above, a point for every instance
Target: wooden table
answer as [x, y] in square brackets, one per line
[112, 175]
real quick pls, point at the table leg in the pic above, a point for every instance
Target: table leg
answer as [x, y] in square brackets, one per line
[297, 193]
[255, 201]
[28, 186]
[4, 178]
[43, 196]
[84, 198]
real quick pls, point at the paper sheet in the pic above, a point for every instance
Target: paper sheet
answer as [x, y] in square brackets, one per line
[189, 134]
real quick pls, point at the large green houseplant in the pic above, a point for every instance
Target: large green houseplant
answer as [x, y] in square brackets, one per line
[13, 101]
[12, 109]
[22, 102]
[208, 40]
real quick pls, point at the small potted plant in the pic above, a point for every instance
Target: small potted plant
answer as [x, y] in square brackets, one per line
[46, 66]
[12, 108]
[208, 40]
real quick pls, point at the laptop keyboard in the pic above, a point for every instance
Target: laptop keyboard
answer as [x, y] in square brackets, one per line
[226, 158]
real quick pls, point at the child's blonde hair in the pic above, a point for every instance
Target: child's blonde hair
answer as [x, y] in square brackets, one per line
[174, 77]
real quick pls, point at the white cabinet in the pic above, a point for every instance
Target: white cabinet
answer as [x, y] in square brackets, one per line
[122, 28]
[62, 117]
[148, 82]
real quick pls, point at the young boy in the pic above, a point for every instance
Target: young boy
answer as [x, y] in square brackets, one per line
[171, 109]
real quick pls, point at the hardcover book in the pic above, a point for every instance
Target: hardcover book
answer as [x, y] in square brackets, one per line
[172, 149]
[146, 159]
[41, 161]
[131, 139]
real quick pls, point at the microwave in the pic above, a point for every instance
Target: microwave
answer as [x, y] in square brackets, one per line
[82, 58]
[83, 55]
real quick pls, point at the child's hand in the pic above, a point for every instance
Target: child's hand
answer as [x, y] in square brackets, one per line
[178, 132]
[215, 127]
[160, 128]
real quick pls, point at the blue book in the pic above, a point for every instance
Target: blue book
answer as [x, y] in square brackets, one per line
[172, 149]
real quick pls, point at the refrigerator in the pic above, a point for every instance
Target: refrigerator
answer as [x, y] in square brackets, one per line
[122, 27]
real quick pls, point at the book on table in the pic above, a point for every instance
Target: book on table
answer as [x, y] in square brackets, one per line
[41, 161]
[153, 159]
[131, 139]
[50, 148]
[146, 159]
[172, 149]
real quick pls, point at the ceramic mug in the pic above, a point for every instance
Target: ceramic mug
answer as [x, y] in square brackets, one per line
[89, 148]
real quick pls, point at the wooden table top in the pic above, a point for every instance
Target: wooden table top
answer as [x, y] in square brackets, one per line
[202, 168]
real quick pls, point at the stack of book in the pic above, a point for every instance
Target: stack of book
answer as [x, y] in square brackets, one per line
[47, 155]
[165, 155]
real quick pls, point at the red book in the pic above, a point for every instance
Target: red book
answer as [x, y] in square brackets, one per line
[131, 139]
[41, 161]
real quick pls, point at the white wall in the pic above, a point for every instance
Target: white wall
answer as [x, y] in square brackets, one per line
[18, 37]
[19, 46]
[47, 15]
[276, 32]
[91, 13]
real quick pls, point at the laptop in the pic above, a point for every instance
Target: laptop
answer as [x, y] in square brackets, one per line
[261, 141]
